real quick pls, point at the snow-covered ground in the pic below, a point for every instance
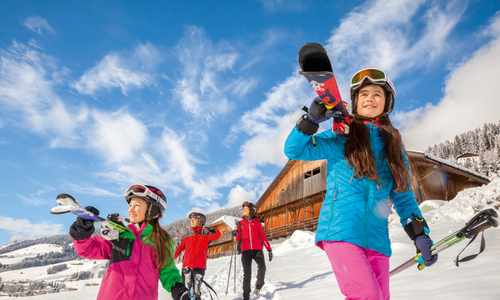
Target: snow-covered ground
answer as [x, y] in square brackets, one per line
[32, 251]
[300, 270]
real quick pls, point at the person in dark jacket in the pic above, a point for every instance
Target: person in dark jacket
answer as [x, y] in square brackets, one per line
[366, 166]
[252, 237]
[195, 246]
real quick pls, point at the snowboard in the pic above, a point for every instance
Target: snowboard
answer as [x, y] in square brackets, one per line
[316, 67]
[68, 204]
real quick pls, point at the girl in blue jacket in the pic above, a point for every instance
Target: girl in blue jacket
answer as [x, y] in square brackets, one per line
[366, 166]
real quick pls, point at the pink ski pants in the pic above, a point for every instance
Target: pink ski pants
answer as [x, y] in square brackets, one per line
[361, 273]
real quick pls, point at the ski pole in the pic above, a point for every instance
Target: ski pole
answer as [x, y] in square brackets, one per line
[230, 265]
[235, 255]
[481, 221]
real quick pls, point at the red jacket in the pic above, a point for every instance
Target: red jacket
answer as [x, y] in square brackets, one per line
[252, 235]
[196, 246]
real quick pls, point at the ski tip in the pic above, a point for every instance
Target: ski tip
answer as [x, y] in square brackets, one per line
[64, 195]
[314, 58]
[58, 210]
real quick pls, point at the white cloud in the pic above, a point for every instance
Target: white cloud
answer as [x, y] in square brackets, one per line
[23, 229]
[117, 136]
[382, 34]
[286, 5]
[238, 195]
[198, 88]
[123, 72]
[470, 99]
[38, 24]
[28, 99]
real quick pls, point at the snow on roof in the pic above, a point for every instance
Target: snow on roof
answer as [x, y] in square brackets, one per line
[230, 221]
[450, 164]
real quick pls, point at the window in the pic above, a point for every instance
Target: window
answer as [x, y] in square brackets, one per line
[307, 175]
[314, 172]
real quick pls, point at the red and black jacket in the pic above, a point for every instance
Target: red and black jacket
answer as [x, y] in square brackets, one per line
[252, 235]
[196, 245]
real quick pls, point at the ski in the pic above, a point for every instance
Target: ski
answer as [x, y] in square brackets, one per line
[317, 69]
[480, 222]
[68, 204]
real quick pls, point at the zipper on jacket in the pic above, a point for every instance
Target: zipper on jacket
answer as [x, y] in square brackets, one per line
[250, 232]
[367, 202]
[332, 207]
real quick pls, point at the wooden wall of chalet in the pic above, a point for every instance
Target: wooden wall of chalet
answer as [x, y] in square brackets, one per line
[297, 197]
[223, 245]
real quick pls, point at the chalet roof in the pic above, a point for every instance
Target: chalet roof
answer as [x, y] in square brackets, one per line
[467, 154]
[422, 156]
[230, 221]
[449, 166]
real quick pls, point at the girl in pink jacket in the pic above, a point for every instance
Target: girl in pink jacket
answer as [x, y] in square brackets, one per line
[252, 236]
[139, 257]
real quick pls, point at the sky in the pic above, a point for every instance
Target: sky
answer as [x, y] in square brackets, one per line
[197, 98]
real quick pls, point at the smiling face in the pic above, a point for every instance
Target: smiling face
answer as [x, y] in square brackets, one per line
[194, 222]
[246, 211]
[137, 210]
[370, 101]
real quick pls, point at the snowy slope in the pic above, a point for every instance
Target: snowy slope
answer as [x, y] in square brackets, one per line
[300, 270]
[32, 251]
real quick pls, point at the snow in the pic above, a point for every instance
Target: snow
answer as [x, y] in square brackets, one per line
[32, 251]
[300, 270]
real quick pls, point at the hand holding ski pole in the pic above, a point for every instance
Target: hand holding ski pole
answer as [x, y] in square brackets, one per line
[424, 256]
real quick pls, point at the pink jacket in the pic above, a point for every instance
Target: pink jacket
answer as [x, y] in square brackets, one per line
[252, 235]
[131, 273]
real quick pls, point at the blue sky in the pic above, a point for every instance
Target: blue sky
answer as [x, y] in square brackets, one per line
[197, 97]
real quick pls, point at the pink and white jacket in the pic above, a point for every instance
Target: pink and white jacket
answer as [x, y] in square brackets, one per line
[131, 273]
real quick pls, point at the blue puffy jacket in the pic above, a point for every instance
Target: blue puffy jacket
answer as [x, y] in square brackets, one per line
[354, 210]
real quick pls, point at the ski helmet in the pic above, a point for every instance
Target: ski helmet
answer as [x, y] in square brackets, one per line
[251, 206]
[377, 77]
[157, 201]
[202, 219]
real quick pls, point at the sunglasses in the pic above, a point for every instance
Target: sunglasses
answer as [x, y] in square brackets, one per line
[375, 75]
[143, 191]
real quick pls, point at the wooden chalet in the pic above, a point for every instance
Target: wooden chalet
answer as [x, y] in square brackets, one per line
[293, 200]
[223, 245]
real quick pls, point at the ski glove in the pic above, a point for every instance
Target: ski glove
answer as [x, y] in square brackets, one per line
[424, 258]
[270, 253]
[211, 230]
[318, 112]
[307, 127]
[82, 229]
[235, 232]
[180, 292]
[108, 232]
[418, 231]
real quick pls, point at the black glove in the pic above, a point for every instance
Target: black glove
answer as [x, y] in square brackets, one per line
[211, 230]
[180, 292]
[270, 253]
[82, 229]
[235, 232]
[307, 127]
[108, 232]
[318, 112]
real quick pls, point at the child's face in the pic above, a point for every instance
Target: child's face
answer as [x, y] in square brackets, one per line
[371, 101]
[194, 222]
[246, 211]
[137, 210]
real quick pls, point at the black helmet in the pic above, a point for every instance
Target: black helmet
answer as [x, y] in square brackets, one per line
[154, 196]
[377, 77]
[250, 205]
[202, 219]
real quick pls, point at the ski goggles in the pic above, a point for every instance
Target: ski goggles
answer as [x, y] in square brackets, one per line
[142, 191]
[376, 75]
[246, 203]
[195, 215]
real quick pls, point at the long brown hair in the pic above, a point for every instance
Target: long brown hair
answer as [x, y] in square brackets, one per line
[359, 153]
[161, 240]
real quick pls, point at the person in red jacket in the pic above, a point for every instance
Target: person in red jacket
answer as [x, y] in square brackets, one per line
[252, 236]
[195, 246]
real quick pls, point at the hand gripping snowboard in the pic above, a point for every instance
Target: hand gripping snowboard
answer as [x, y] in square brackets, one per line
[68, 204]
[317, 69]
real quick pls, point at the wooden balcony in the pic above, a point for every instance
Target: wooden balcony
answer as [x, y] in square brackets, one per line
[287, 230]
